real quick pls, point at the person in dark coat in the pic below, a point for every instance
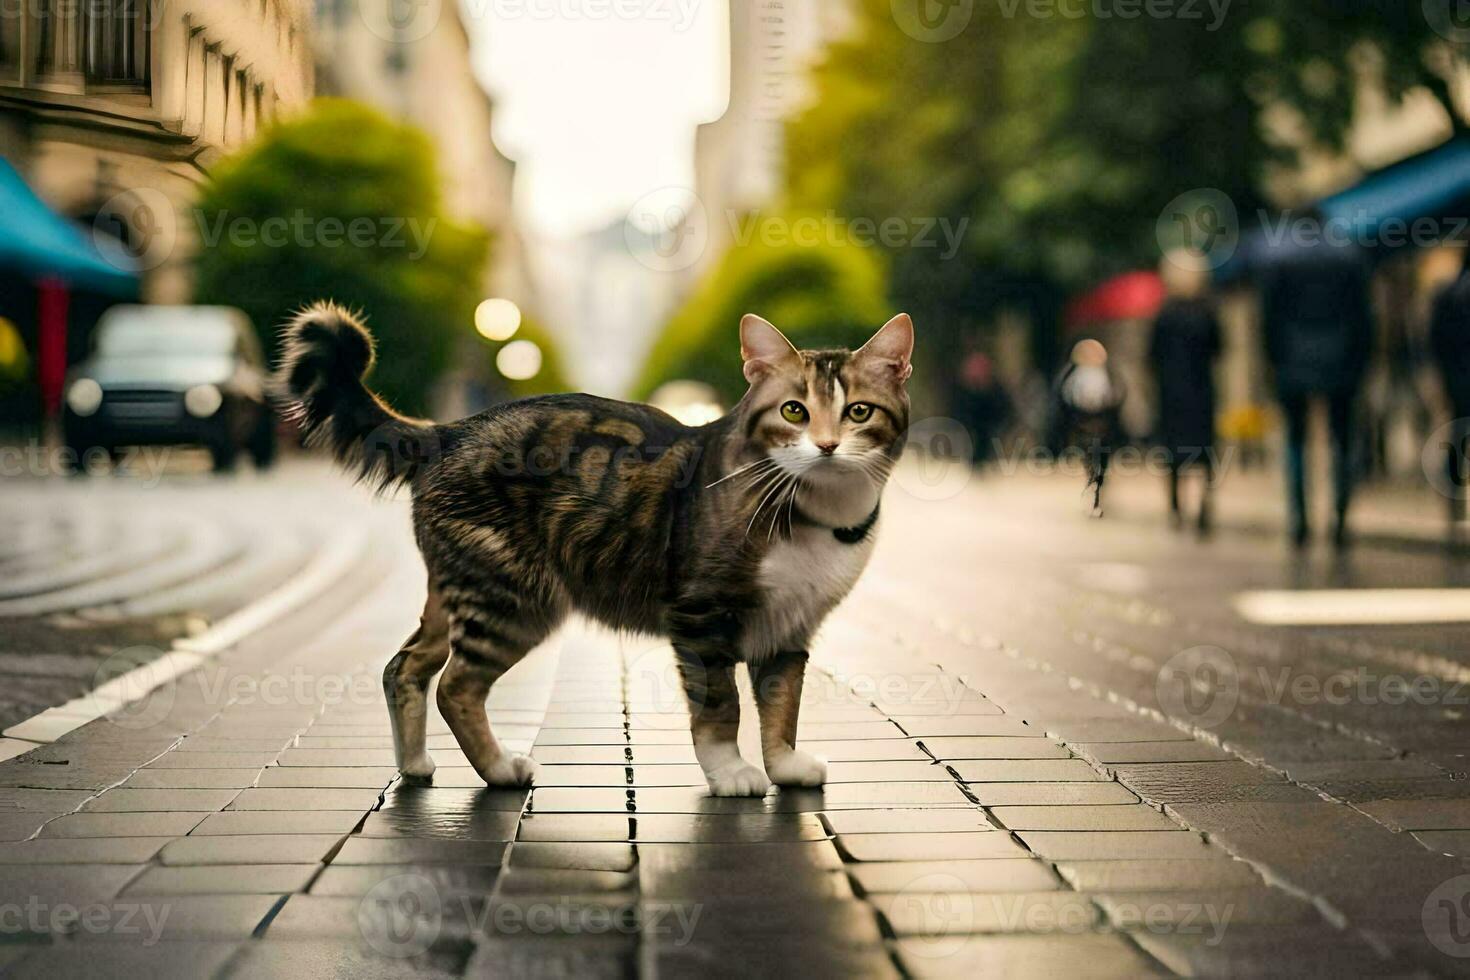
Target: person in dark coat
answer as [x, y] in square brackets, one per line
[1087, 401]
[1449, 344]
[1185, 345]
[1318, 321]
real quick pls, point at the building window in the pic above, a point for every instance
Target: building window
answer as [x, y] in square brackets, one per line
[117, 42]
[58, 49]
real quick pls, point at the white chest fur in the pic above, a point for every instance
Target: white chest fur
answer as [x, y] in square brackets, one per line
[803, 579]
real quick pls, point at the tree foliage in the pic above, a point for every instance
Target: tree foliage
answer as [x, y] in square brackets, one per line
[275, 225]
[819, 295]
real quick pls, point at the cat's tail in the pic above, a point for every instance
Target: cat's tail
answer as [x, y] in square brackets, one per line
[326, 351]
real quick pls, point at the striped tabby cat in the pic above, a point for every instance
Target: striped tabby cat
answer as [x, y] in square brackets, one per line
[733, 540]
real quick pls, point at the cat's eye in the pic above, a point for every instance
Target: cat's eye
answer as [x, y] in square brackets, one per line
[860, 411]
[794, 412]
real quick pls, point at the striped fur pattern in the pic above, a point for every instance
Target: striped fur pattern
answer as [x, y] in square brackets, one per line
[733, 540]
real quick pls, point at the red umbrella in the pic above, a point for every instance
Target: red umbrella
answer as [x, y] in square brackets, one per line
[1131, 296]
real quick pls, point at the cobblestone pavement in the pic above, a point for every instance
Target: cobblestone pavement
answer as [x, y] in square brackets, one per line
[1015, 789]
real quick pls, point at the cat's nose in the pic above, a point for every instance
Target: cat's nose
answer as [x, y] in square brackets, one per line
[827, 448]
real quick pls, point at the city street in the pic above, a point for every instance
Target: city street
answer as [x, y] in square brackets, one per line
[1058, 746]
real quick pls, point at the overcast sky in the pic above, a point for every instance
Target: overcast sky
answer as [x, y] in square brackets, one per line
[597, 108]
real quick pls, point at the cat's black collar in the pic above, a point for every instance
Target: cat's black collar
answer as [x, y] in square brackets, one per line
[856, 534]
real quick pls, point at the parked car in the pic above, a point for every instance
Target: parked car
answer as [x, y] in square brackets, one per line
[173, 375]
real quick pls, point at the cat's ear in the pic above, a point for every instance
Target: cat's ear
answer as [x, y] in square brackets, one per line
[763, 347]
[891, 348]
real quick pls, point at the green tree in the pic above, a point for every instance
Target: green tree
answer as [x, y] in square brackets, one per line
[826, 295]
[276, 223]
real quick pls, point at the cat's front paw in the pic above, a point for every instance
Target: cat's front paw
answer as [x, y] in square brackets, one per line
[797, 768]
[511, 769]
[740, 779]
[420, 770]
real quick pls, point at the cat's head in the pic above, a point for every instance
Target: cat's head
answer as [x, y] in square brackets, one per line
[828, 415]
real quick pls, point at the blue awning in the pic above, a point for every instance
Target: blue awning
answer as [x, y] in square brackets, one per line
[37, 243]
[1433, 184]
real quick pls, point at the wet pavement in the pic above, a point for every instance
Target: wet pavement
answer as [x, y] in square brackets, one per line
[1036, 770]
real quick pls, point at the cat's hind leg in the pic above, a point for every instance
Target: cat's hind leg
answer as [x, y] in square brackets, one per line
[487, 639]
[406, 683]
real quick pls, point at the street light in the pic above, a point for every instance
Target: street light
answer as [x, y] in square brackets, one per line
[497, 319]
[519, 360]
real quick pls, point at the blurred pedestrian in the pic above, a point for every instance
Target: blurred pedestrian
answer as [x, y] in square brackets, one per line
[1449, 343]
[1318, 321]
[1088, 397]
[982, 404]
[1185, 345]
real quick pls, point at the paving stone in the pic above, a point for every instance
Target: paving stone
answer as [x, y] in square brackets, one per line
[437, 799]
[1455, 842]
[270, 958]
[1264, 950]
[305, 799]
[696, 799]
[1113, 730]
[1026, 771]
[481, 825]
[206, 743]
[1041, 957]
[355, 758]
[605, 957]
[161, 800]
[769, 958]
[446, 880]
[720, 829]
[386, 924]
[1213, 911]
[603, 755]
[1022, 874]
[865, 795]
[1419, 814]
[352, 777]
[575, 856]
[858, 750]
[1052, 794]
[191, 779]
[792, 858]
[600, 799]
[1105, 845]
[74, 884]
[251, 849]
[366, 850]
[1135, 817]
[885, 772]
[720, 920]
[574, 827]
[18, 825]
[224, 879]
[48, 800]
[1112, 753]
[552, 881]
[191, 917]
[948, 914]
[929, 847]
[575, 775]
[248, 822]
[818, 731]
[951, 748]
[927, 726]
[899, 821]
[162, 961]
[1157, 875]
[697, 884]
[81, 850]
[213, 760]
[123, 825]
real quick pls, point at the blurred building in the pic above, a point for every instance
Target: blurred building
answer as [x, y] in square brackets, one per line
[412, 60]
[114, 110]
[740, 158]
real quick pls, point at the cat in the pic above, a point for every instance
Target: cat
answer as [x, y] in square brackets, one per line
[733, 540]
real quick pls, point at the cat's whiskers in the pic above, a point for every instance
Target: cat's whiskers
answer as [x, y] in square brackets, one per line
[742, 469]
